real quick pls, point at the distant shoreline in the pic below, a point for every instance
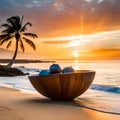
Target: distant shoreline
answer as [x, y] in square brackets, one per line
[27, 61]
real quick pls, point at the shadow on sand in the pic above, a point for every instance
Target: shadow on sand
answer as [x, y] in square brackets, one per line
[78, 102]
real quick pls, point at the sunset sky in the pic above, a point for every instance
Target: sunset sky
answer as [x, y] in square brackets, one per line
[69, 29]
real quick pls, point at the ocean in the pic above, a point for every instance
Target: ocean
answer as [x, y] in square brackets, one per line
[103, 95]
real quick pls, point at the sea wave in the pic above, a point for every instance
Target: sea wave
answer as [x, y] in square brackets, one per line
[106, 88]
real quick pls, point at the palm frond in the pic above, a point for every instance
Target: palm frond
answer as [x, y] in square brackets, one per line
[9, 44]
[22, 19]
[5, 31]
[5, 40]
[8, 31]
[15, 22]
[30, 35]
[11, 22]
[22, 45]
[30, 43]
[15, 19]
[5, 25]
[4, 36]
[8, 28]
[25, 27]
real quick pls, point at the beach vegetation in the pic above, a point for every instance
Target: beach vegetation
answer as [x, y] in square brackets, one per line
[15, 30]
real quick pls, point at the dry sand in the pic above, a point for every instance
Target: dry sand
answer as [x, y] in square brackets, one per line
[15, 105]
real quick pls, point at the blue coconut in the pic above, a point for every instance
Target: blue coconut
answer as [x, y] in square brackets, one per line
[67, 69]
[55, 68]
[44, 72]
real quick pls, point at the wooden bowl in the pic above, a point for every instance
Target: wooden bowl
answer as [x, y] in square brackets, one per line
[63, 86]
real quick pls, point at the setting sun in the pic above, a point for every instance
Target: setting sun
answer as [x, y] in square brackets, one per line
[76, 55]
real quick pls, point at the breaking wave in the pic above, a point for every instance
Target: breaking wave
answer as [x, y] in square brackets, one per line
[106, 88]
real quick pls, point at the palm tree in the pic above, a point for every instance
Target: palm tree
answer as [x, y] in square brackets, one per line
[15, 31]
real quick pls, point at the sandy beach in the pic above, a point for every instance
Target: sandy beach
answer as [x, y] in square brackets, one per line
[16, 105]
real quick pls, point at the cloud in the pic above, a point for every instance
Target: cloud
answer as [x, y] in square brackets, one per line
[56, 42]
[100, 39]
[104, 40]
[7, 7]
[64, 17]
[103, 50]
[101, 54]
[79, 16]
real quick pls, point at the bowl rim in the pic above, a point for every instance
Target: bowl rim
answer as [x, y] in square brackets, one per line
[67, 73]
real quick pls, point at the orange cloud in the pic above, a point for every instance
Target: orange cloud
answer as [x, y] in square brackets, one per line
[56, 42]
[102, 54]
[65, 17]
[56, 4]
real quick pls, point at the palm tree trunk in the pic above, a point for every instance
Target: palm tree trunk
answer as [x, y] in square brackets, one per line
[15, 54]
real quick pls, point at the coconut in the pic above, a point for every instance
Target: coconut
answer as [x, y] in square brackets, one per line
[55, 68]
[67, 69]
[44, 72]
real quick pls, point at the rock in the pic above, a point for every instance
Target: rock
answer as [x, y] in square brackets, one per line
[8, 71]
[67, 69]
[27, 73]
[55, 68]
